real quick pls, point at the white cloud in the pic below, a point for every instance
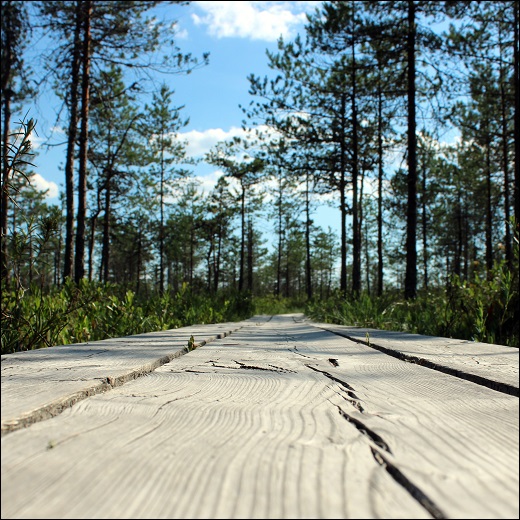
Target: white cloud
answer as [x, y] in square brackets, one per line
[265, 21]
[208, 182]
[42, 184]
[199, 143]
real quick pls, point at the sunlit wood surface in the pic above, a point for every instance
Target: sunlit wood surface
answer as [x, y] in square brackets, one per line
[268, 418]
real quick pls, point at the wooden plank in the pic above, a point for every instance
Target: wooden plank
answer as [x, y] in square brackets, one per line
[237, 429]
[495, 366]
[39, 384]
[282, 420]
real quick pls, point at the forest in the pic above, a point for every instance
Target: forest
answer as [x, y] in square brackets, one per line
[353, 114]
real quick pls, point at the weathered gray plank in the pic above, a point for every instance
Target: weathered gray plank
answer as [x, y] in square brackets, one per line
[495, 366]
[282, 420]
[39, 384]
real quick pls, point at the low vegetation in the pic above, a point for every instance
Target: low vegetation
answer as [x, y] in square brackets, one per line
[482, 310]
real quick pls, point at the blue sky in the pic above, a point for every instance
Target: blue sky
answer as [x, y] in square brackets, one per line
[236, 34]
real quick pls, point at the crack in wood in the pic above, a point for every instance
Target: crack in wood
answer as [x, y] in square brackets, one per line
[354, 399]
[498, 386]
[365, 430]
[354, 403]
[254, 367]
[415, 492]
[334, 362]
[337, 380]
[53, 444]
[296, 351]
[103, 384]
[173, 400]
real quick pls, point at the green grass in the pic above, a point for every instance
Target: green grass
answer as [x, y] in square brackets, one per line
[485, 309]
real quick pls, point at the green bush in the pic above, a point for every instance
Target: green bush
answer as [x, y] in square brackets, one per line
[91, 311]
[485, 309]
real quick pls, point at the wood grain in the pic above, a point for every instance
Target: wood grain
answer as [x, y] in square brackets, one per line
[277, 420]
[495, 366]
[39, 384]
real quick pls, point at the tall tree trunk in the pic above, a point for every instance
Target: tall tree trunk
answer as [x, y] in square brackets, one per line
[362, 220]
[356, 225]
[466, 232]
[93, 222]
[105, 252]
[308, 223]
[280, 238]
[6, 93]
[424, 229]
[208, 263]
[505, 161]
[458, 251]
[489, 206]
[139, 256]
[516, 7]
[250, 257]
[161, 229]
[243, 238]
[410, 283]
[379, 190]
[7, 72]
[287, 261]
[68, 260]
[83, 145]
[218, 259]
[343, 202]
[92, 240]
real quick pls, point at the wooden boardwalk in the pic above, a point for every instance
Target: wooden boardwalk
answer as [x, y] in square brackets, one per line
[272, 417]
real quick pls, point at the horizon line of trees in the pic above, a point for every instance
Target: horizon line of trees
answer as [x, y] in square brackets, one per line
[355, 109]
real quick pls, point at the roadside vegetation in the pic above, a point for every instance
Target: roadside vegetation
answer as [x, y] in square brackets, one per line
[354, 114]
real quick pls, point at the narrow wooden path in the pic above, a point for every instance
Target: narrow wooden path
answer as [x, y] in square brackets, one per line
[272, 417]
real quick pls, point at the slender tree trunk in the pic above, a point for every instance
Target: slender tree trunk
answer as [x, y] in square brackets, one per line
[361, 221]
[57, 259]
[92, 241]
[410, 284]
[105, 253]
[343, 204]
[505, 160]
[466, 240]
[218, 259]
[250, 256]
[139, 253]
[5, 183]
[83, 146]
[287, 261]
[356, 242]
[424, 229]
[280, 239]
[68, 260]
[458, 251]
[7, 72]
[380, 192]
[308, 223]
[243, 238]
[516, 5]
[208, 263]
[93, 222]
[161, 229]
[489, 207]
[367, 257]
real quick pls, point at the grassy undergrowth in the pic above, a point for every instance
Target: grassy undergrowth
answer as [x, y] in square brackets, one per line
[88, 312]
[485, 309]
